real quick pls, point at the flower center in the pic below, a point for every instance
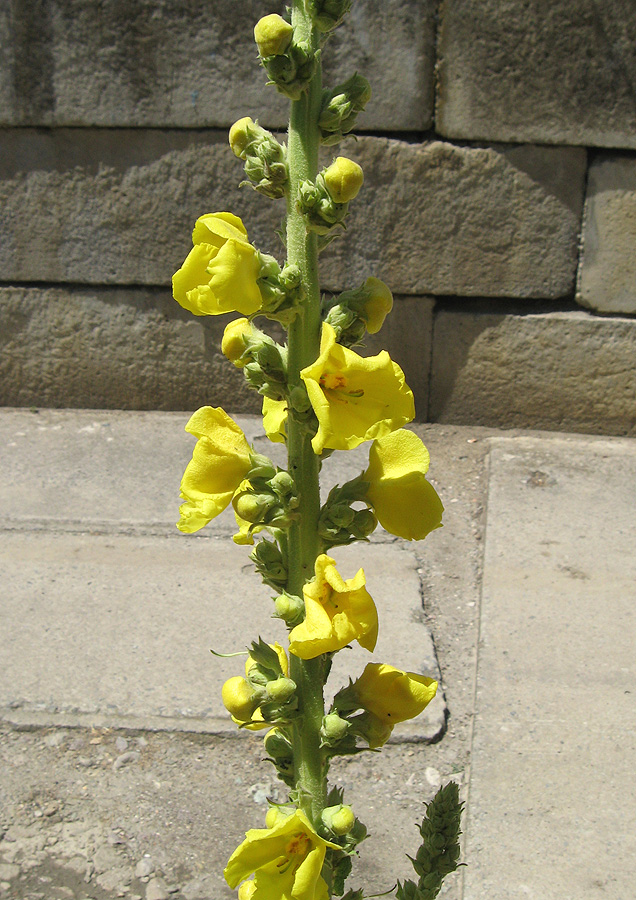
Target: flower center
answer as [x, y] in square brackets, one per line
[330, 381]
[295, 851]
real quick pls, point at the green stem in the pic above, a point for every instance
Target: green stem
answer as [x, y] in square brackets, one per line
[304, 465]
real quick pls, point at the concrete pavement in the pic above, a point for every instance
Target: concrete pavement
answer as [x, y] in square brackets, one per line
[526, 615]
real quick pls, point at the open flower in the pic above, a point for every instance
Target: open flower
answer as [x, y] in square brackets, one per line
[220, 273]
[391, 695]
[286, 861]
[336, 613]
[220, 461]
[355, 398]
[405, 503]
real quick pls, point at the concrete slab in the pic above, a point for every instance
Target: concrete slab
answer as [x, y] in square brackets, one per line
[552, 808]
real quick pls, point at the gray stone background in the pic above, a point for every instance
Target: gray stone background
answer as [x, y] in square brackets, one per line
[499, 201]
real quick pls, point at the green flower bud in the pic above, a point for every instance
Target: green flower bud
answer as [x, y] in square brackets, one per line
[281, 689]
[290, 608]
[340, 108]
[364, 524]
[343, 179]
[273, 35]
[299, 398]
[270, 564]
[333, 729]
[282, 483]
[278, 746]
[338, 819]
[261, 466]
[290, 278]
[328, 14]
[271, 359]
[253, 508]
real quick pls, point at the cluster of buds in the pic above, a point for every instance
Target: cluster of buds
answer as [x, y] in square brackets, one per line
[290, 64]
[266, 694]
[360, 310]
[439, 852]
[279, 751]
[339, 523]
[328, 14]
[270, 564]
[281, 289]
[340, 108]
[325, 202]
[265, 159]
[266, 498]
[263, 361]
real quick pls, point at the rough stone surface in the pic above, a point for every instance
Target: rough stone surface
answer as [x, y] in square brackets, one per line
[170, 63]
[527, 70]
[118, 207]
[552, 763]
[607, 272]
[136, 348]
[561, 371]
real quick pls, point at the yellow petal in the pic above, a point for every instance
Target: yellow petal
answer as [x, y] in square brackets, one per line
[217, 228]
[405, 503]
[392, 695]
[274, 419]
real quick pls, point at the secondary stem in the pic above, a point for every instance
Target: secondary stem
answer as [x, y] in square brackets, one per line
[303, 349]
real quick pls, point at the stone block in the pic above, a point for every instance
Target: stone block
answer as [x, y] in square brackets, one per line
[135, 348]
[170, 63]
[564, 371]
[111, 207]
[114, 349]
[531, 70]
[607, 272]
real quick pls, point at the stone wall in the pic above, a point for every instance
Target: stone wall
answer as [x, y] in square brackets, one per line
[499, 200]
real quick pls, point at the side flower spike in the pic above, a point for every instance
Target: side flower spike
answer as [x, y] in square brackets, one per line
[355, 398]
[336, 613]
[220, 461]
[405, 503]
[220, 273]
[286, 861]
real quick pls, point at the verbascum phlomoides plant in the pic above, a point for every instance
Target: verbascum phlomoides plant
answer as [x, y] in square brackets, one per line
[319, 396]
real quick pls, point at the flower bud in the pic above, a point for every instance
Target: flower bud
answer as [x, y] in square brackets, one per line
[270, 564]
[261, 466]
[290, 609]
[253, 507]
[282, 483]
[272, 35]
[328, 14]
[277, 746]
[241, 135]
[338, 819]
[299, 398]
[234, 343]
[281, 689]
[239, 698]
[377, 304]
[364, 524]
[343, 179]
[333, 729]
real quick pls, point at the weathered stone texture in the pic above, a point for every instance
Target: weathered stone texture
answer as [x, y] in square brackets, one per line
[137, 349]
[117, 207]
[536, 70]
[563, 371]
[607, 271]
[175, 63]
[114, 349]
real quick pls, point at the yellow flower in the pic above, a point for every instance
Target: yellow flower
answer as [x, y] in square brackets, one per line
[220, 462]
[220, 273]
[274, 419]
[343, 179]
[286, 861]
[239, 698]
[405, 503]
[355, 399]
[336, 613]
[272, 35]
[391, 695]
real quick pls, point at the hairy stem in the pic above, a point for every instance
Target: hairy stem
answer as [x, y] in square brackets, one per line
[304, 344]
